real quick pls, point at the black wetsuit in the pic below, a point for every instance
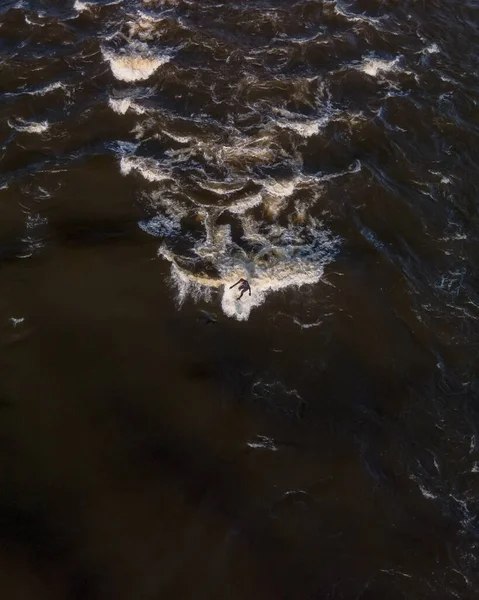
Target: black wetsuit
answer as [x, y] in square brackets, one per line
[244, 287]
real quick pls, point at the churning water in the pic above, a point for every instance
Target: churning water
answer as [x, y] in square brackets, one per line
[160, 437]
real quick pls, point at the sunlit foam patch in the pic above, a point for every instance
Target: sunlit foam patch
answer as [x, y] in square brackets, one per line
[295, 258]
[374, 66]
[135, 62]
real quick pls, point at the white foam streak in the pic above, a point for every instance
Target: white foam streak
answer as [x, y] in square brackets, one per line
[80, 6]
[41, 91]
[262, 442]
[29, 126]
[339, 10]
[181, 139]
[51, 87]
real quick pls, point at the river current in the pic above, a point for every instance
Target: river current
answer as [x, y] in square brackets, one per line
[162, 438]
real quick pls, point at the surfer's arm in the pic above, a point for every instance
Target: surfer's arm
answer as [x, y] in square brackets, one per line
[232, 286]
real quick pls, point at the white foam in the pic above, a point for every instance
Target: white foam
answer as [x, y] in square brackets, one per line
[281, 188]
[264, 443]
[374, 66]
[30, 22]
[432, 49]
[34, 221]
[80, 6]
[222, 187]
[426, 493]
[57, 85]
[122, 105]
[16, 320]
[239, 152]
[136, 62]
[307, 325]
[444, 179]
[287, 263]
[29, 126]
[350, 16]
[182, 139]
[144, 26]
[150, 169]
[32, 240]
[303, 128]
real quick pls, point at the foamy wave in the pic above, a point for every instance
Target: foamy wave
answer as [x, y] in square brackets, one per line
[286, 260]
[30, 22]
[122, 105]
[29, 126]
[80, 6]
[304, 128]
[51, 87]
[147, 167]
[432, 49]
[222, 187]
[350, 16]
[373, 66]
[244, 153]
[136, 62]
[144, 26]
[182, 139]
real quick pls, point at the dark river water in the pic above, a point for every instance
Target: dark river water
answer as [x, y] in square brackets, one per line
[160, 438]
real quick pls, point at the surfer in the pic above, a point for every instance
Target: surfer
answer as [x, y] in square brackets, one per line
[244, 287]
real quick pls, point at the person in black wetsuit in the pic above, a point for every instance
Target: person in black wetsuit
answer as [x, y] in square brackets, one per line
[244, 287]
